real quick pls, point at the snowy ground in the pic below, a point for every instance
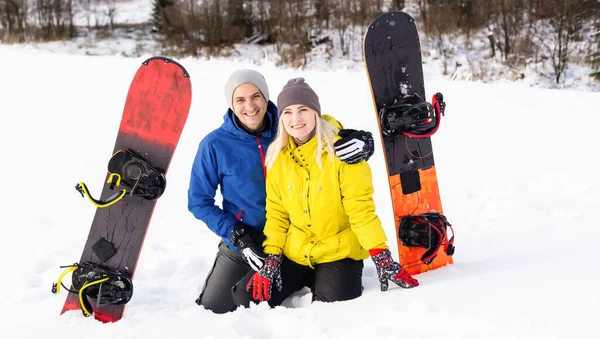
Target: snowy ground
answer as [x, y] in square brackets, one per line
[517, 168]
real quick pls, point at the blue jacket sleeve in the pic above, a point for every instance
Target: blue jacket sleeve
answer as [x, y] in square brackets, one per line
[204, 182]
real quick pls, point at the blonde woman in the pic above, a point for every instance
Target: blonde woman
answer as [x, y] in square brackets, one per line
[321, 220]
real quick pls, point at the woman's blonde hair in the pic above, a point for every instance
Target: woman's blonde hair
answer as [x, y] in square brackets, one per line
[324, 132]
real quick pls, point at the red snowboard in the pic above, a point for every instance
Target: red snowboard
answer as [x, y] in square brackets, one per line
[155, 113]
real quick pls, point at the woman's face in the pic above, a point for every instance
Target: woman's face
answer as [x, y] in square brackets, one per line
[299, 121]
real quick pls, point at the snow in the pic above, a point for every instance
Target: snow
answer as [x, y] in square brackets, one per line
[517, 168]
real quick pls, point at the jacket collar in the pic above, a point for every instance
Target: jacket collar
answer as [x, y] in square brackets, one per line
[304, 155]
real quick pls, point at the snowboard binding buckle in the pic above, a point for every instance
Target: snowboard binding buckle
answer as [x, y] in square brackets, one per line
[412, 116]
[131, 170]
[136, 174]
[97, 283]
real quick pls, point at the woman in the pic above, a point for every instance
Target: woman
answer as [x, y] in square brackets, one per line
[321, 220]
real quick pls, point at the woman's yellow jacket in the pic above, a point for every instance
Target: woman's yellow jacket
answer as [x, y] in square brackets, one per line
[320, 215]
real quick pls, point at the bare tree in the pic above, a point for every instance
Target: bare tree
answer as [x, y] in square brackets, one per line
[595, 59]
[52, 19]
[506, 23]
[423, 11]
[13, 20]
[239, 23]
[111, 12]
[398, 4]
[323, 11]
[342, 23]
[443, 16]
[592, 8]
[564, 19]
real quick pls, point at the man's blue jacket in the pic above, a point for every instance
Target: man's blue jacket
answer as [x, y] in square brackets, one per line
[231, 158]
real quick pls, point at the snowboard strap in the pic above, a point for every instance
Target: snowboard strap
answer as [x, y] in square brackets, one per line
[438, 108]
[412, 116]
[82, 188]
[131, 170]
[56, 286]
[427, 230]
[96, 283]
[86, 308]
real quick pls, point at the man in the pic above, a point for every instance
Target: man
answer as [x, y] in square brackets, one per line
[231, 158]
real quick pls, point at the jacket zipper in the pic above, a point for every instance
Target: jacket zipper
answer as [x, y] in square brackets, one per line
[239, 215]
[262, 156]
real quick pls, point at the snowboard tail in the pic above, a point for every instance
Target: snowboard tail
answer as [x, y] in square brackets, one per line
[392, 56]
[155, 112]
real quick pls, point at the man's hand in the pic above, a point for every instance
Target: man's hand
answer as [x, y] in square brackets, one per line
[354, 146]
[241, 238]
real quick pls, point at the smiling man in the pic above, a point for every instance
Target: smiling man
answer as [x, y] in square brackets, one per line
[231, 159]
[249, 106]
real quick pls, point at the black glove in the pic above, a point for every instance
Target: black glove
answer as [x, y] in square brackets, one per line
[241, 238]
[354, 146]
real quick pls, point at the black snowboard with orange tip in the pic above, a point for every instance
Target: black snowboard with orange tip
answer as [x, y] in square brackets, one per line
[392, 56]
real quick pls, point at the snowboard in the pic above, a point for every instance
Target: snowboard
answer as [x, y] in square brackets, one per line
[155, 112]
[392, 57]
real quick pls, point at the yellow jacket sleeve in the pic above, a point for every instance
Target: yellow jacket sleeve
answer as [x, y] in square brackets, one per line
[278, 220]
[356, 187]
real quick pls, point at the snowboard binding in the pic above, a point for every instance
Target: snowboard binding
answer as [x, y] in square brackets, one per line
[412, 116]
[99, 284]
[132, 171]
[427, 230]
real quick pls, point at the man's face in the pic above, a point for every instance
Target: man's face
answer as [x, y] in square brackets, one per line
[250, 106]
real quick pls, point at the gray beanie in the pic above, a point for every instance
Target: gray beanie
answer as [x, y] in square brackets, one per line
[243, 76]
[298, 92]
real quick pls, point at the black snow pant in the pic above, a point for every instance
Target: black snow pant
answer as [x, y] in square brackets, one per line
[228, 269]
[335, 281]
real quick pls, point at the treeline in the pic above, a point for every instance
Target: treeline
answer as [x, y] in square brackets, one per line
[49, 20]
[33, 20]
[516, 29]
[294, 26]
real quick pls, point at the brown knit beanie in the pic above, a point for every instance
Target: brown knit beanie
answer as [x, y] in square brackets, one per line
[298, 92]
